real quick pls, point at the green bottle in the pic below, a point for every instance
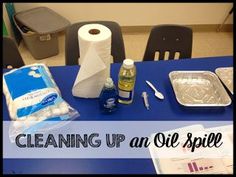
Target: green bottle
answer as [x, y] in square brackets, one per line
[126, 83]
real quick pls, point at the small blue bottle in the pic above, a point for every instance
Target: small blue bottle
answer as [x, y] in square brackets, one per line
[108, 98]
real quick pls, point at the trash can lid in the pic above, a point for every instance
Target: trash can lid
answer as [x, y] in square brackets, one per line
[42, 20]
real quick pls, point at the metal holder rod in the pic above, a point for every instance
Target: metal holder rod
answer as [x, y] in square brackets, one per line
[220, 26]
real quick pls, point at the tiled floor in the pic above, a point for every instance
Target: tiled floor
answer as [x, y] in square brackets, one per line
[205, 44]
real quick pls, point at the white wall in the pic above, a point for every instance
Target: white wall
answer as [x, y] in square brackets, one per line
[132, 14]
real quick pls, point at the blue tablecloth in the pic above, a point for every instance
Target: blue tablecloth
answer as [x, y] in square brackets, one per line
[167, 109]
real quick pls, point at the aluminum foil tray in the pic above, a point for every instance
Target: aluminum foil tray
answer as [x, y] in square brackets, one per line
[198, 88]
[226, 76]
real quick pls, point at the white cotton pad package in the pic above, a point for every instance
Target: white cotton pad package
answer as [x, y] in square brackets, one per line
[32, 95]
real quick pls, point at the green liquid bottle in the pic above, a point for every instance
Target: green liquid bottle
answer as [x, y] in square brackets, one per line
[127, 77]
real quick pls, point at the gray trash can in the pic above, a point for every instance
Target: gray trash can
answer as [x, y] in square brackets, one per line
[39, 28]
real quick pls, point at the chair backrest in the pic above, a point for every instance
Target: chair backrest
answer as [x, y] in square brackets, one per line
[72, 44]
[169, 39]
[11, 54]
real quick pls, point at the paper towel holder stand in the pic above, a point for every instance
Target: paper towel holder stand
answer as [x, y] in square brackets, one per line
[94, 31]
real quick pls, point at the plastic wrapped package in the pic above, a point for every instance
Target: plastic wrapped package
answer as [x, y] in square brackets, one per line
[32, 96]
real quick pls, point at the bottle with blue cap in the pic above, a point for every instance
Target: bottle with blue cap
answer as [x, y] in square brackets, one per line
[108, 98]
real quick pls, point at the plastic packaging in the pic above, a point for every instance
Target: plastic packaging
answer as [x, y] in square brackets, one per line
[127, 78]
[32, 96]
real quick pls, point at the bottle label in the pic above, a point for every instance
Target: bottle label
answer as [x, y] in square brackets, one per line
[110, 103]
[126, 95]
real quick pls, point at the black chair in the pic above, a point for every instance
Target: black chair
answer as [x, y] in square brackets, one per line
[169, 38]
[11, 54]
[72, 45]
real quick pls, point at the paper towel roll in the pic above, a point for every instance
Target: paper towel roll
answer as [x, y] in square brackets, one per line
[95, 58]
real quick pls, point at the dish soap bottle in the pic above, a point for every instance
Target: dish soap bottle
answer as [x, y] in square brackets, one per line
[108, 98]
[127, 77]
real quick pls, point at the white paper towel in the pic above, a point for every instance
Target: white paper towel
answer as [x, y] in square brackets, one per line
[95, 58]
